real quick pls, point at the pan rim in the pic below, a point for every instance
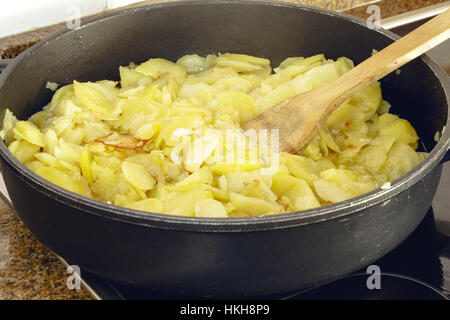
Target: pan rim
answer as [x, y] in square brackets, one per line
[340, 210]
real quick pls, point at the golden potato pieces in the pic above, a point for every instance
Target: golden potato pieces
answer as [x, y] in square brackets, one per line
[166, 138]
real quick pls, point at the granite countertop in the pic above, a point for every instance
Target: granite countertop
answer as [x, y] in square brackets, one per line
[28, 270]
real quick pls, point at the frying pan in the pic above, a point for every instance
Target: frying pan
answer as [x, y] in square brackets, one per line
[222, 258]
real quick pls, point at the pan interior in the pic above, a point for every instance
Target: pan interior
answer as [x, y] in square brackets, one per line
[98, 48]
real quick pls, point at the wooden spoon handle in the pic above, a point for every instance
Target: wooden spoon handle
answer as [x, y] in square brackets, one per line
[427, 36]
[297, 118]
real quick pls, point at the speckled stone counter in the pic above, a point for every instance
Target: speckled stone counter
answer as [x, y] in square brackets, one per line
[28, 270]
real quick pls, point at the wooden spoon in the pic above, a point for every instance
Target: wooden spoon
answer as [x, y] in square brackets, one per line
[297, 118]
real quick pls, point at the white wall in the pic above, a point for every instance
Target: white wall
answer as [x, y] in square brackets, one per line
[22, 15]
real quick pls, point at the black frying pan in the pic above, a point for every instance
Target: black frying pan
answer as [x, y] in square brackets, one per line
[239, 257]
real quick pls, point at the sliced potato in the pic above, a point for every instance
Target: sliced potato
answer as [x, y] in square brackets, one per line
[24, 130]
[23, 150]
[184, 203]
[95, 100]
[401, 130]
[61, 179]
[210, 208]
[241, 102]
[150, 205]
[254, 206]
[193, 63]
[157, 67]
[168, 139]
[137, 176]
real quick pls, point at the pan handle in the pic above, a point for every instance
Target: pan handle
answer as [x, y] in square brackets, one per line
[447, 155]
[4, 195]
[4, 63]
[3, 191]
